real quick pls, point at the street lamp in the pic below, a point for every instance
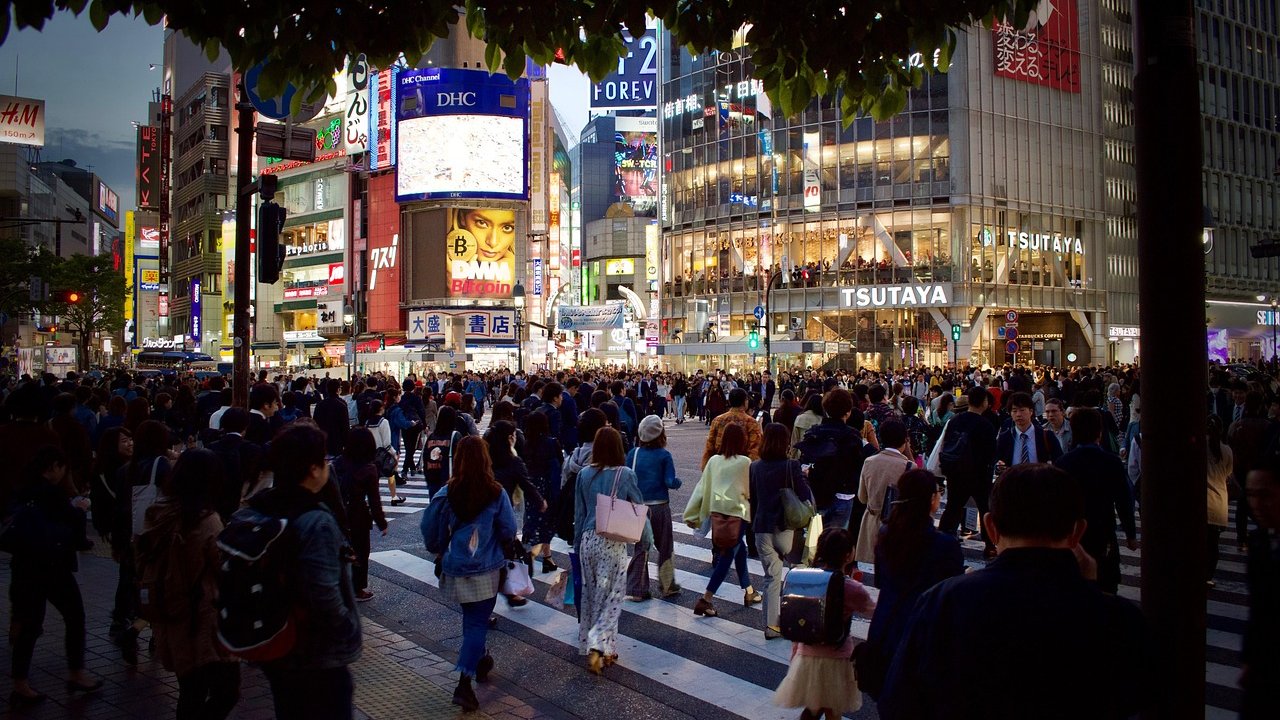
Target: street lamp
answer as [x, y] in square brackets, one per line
[518, 293]
[349, 322]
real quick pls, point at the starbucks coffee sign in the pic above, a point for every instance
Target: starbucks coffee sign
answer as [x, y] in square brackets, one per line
[896, 296]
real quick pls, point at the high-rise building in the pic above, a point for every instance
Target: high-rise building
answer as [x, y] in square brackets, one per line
[980, 210]
[1238, 43]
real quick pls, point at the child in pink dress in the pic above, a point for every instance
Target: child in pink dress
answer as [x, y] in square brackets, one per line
[820, 678]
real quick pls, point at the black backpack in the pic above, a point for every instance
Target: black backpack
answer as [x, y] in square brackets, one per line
[257, 618]
[956, 455]
[812, 608]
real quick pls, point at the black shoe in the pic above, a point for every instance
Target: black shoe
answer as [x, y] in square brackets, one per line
[18, 701]
[127, 641]
[464, 696]
[516, 601]
[493, 621]
[73, 687]
[484, 668]
[399, 500]
[549, 565]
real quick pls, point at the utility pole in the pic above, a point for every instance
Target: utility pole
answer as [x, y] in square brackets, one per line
[1171, 301]
[244, 212]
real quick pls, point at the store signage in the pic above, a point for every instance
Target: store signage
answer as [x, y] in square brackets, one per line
[305, 292]
[149, 280]
[812, 183]
[537, 276]
[431, 325]
[196, 305]
[620, 266]
[337, 273]
[162, 305]
[152, 343]
[691, 105]
[634, 85]
[149, 238]
[148, 167]
[301, 335]
[382, 121]
[575, 258]
[306, 249]
[885, 296]
[1045, 242]
[1130, 331]
[1266, 317]
[21, 121]
[356, 137]
[383, 258]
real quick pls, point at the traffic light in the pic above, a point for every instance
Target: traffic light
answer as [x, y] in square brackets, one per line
[68, 296]
[382, 342]
[753, 339]
[271, 219]
[955, 332]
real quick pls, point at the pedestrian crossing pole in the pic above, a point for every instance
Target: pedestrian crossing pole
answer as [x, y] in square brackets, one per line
[1171, 301]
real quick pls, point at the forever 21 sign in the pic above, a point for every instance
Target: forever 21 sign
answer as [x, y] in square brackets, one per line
[634, 85]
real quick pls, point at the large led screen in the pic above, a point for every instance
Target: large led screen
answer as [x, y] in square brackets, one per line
[461, 156]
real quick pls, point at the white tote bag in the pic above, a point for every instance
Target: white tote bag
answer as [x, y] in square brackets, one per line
[934, 463]
[143, 497]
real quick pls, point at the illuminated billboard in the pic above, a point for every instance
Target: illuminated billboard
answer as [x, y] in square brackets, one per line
[480, 252]
[107, 203]
[1044, 52]
[461, 134]
[635, 165]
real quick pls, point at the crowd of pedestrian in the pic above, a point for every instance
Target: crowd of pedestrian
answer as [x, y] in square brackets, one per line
[191, 493]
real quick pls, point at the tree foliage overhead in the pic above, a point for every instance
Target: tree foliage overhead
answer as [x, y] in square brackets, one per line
[854, 48]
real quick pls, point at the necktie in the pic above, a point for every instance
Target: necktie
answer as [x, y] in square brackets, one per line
[1025, 458]
[1237, 414]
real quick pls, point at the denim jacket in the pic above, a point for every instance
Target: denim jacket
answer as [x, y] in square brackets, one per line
[330, 636]
[476, 546]
[655, 473]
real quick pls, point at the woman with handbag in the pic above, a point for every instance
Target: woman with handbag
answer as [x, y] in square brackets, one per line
[781, 505]
[470, 522]
[384, 456]
[545, 460]
[911, 557]
[723, 495]
[607, 483]
[512, 474]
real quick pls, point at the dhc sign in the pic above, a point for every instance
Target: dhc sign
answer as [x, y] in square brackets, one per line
[896, 296]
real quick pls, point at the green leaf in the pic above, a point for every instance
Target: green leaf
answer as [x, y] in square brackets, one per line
[212, 49]
[493, 57]
[98, 15]
[514, 63]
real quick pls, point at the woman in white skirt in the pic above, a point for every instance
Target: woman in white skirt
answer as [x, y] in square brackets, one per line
[820, 679]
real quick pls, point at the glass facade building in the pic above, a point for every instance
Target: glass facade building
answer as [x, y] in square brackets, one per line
[864, 245]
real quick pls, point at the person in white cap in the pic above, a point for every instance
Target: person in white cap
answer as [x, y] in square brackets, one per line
[655, 471]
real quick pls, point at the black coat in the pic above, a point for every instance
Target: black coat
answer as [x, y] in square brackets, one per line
[1048, 449]
[1026, 637]
[333, 418]
[242, 463]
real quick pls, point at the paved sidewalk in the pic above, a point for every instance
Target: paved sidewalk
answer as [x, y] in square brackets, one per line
[395, 678]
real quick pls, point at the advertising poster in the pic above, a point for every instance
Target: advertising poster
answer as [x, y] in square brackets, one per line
[1218, 351]
[635, 165]
[21, 121]
[482, 325]
[1045, 52]
[480, 252]
[461, 133]
[583, 318]
[635, 84]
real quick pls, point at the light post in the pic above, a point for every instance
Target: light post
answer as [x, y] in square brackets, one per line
[349, 322]
[518, 292]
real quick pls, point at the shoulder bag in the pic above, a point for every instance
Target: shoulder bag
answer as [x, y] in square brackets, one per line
[796, 513]
[619, 520]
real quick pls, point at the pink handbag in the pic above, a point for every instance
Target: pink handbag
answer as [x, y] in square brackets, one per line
[619, 520]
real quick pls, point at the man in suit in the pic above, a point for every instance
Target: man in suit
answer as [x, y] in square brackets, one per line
[1064, 648]
[1104, 481]
[1025, 442]
[968, 473]
[569, 414]
[241, 459]
[333, 417]
[770, 389]
[264, 402]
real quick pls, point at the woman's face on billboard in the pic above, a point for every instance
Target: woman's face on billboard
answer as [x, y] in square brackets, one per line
[494, 230]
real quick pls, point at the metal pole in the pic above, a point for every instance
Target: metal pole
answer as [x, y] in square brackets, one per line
[244, 214]
[1171, 296]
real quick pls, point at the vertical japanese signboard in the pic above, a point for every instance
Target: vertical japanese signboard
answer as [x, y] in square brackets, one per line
[1045, 52]
[356, 122]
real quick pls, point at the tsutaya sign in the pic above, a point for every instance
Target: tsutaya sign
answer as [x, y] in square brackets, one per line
[1042, 242]
[887, 296]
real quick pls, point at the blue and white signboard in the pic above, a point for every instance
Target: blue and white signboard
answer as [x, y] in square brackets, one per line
[482, 325]
[461, 134]
[586, 318]
[537, 276]
[195, 312]
[635, 84]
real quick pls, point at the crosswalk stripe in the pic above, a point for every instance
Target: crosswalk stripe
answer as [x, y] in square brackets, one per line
[707, 684]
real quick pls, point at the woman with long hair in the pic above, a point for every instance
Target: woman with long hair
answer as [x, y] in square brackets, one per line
[820, 678]
[472, 517]
[715, 401]
[512, 474]
[725, 491]
[544, 459]
[115, 450]
[437, 452]
[774, 471]
[811, 416]
[604, 561]
[181, 530]
[911, 557]
[357, 480]
[1221, 462]
[378, 424]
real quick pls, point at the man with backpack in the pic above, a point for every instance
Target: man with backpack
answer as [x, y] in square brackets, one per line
[833, 450]
[967, 458]
[241, 459]
[284, 587]
[626, 410]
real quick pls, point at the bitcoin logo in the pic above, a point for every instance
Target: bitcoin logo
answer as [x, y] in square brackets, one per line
[461, 245]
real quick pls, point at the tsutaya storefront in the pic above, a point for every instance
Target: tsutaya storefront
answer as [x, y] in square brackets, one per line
[884, 291]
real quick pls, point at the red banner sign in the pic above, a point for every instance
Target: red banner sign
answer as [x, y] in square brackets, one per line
[1045, 52]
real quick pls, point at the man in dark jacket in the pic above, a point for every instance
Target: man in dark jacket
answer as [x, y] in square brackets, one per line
[1261, 677]
[313, 680]
[264, 403]
[1024, 442]
[569, 415]
[835, 452]
[1029, 636]
[967, 456]
[242, 460]
[333, 417]
[552, 399]
[1105, 484]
